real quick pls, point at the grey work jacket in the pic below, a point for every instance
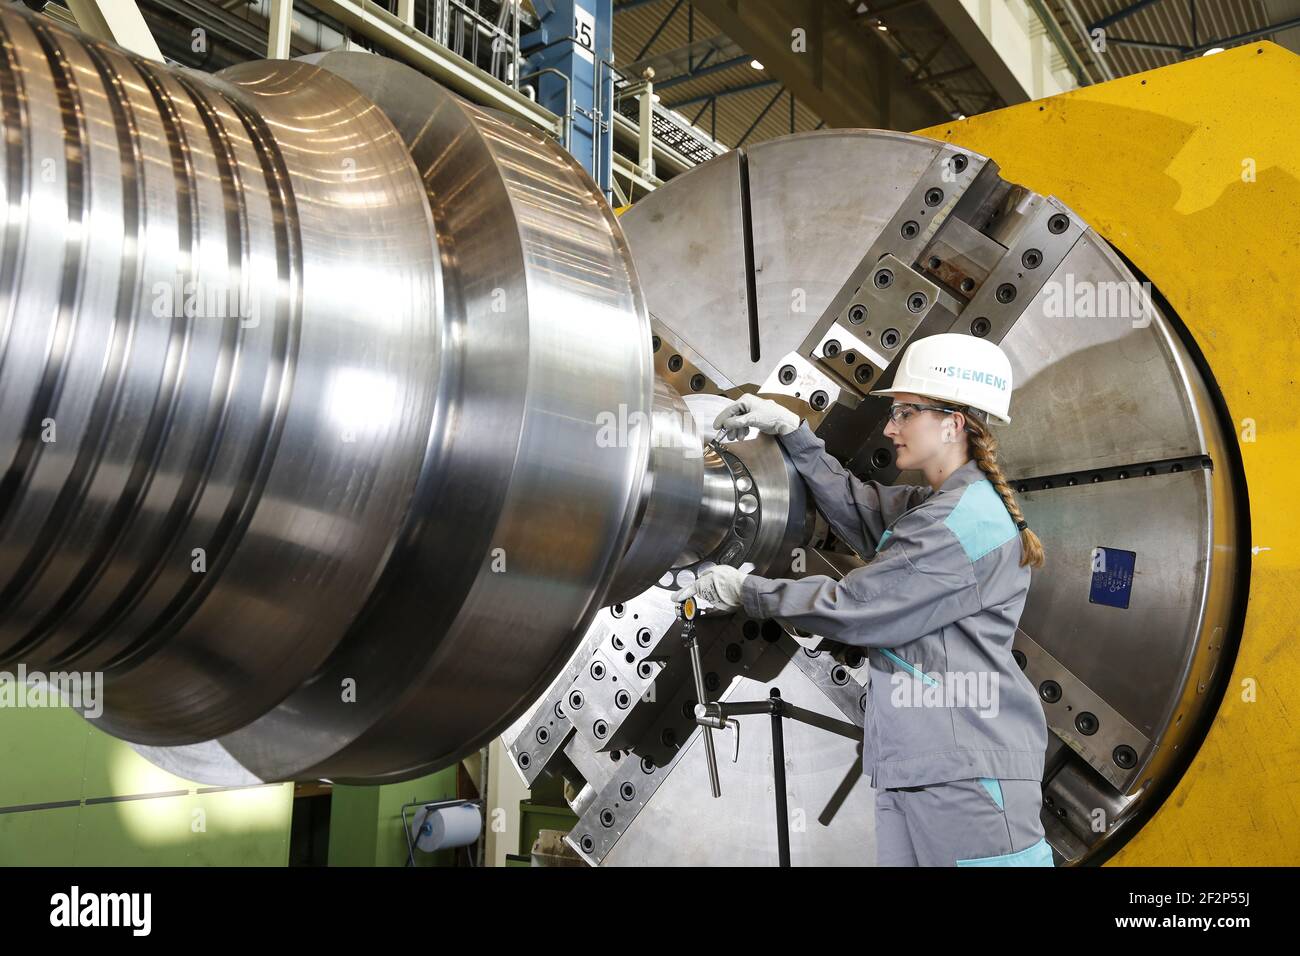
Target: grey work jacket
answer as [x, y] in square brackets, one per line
[936, 608]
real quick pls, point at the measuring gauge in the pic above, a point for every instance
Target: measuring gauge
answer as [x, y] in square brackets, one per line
[689, 609]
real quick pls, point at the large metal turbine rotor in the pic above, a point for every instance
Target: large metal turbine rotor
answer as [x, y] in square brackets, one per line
[327, 411]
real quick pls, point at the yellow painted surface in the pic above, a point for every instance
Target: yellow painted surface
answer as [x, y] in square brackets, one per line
[1161, 164]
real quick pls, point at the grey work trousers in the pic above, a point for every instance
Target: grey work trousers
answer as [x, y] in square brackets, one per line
[975, 822]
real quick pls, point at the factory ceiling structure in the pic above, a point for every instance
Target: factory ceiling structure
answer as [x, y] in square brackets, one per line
[730, 70]
[1113, 38]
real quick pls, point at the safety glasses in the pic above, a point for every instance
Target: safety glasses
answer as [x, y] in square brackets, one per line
[900, 412]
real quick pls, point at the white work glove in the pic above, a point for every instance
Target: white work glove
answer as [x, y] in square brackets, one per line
[719, 587]
[754, 412]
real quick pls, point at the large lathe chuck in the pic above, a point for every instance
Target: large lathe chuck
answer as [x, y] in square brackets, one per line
[857, 243]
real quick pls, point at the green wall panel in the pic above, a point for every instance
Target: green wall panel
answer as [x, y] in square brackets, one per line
[52, 755]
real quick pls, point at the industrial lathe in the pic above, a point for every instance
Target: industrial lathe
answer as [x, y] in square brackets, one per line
[344, 428]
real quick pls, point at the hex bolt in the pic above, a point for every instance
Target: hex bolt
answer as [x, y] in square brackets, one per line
[1006, 293]
[818, 400]
[1058, 224]
[787, 375]
[933, 196]
[858, 314]
[884, 278]
[831, 348]
[1125, 757]
[1032, 259]
[910, 229]
[916, 302]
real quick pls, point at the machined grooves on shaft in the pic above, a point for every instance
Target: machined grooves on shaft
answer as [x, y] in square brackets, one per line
[107, 401]
[254, 447]
[264, 440]
[53, 377]
[158, 429]
[13, 115]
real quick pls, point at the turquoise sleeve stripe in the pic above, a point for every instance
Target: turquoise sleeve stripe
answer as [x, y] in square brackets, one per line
[1040, 854]
[980, 520]
[912, 669]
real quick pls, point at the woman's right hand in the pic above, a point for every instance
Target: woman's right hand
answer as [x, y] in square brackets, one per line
[750, 411]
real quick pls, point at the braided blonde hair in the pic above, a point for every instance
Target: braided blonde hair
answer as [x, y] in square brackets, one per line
[983, 448]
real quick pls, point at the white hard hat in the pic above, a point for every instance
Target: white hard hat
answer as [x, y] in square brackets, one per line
[956, 368]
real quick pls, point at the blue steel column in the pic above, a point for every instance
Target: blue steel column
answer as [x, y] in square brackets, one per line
[576, 37]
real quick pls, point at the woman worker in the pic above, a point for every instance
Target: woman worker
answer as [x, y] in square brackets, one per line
[954, 735]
